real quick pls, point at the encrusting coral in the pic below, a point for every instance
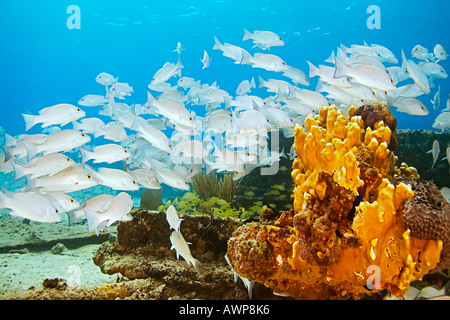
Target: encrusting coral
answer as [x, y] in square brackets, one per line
[345, 236]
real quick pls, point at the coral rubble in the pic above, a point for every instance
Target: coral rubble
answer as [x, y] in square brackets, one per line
[345, 237]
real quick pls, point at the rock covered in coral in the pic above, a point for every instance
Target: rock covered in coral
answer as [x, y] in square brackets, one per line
[142, 253]
[376, 112]
[345, 228]
[427, 215]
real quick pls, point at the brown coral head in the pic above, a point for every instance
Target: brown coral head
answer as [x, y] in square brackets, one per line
[375, 112]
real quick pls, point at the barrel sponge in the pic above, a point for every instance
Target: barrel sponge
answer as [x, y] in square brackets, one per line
[427, 215]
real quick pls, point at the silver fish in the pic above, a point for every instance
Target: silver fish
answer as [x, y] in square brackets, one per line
[60, 114]
[30, 206]
[182, 249]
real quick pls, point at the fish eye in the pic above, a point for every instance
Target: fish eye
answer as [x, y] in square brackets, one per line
[56, 210]
[78, 109]
[88, 176]
[134, 182]
[67, 159]
[82, 134]
[71, 200]
[392, 81]
[284, 63]
[190, 118]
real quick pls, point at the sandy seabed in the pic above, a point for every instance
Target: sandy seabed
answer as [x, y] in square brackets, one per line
[27, 258]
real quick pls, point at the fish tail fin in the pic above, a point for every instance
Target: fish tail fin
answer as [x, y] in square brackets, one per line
[247, 35]
[31, 184]
[179, 64]
[404, 61]
[320, 86]
[19, 171]
[217, 44]
[341, 69]
[313, 70]
[331, 58]
[30, 121]
[245, 57]
[31, 150]
[261, 82]
[252, 82]
[72, 216]
[85, 155]
[227, 102]
[196, 265]
[93, 220]
[8, 152]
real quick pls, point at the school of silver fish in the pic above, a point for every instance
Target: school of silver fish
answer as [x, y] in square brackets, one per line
[164, 141]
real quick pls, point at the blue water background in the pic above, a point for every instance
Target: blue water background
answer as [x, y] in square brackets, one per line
[44, 63]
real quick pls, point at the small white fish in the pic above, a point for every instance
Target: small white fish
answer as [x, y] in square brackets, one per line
[251, 121]
[172, 179]
[115, 179]
[416, 73]
[269, 62]
[297, 76]
[435, 152]
[439, 52]
[187, 83]
[168, 71]
[173, 110]
[263, 39]
[442, 121]
[114, 210]
[30, 206]
[60, 114]
[111, 131]
[245, 86]
[205, 60]
[119, 90]
[145, 178]
[312, 99]
[173, 219]
[179, 48]
[239, 55]
[437, 99]
[62, 201]
[366, 75]
[88, 125]
[182, 249]
[280, 87]
[106, 79]
[421, 53]
[384, 54]
[432, 69]
[94, 204]
[60, 141]
[156, 137]
[92, 100]
[49, 164]
[73, 178]
[108, 153]
[410, 106]
[326, 74]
